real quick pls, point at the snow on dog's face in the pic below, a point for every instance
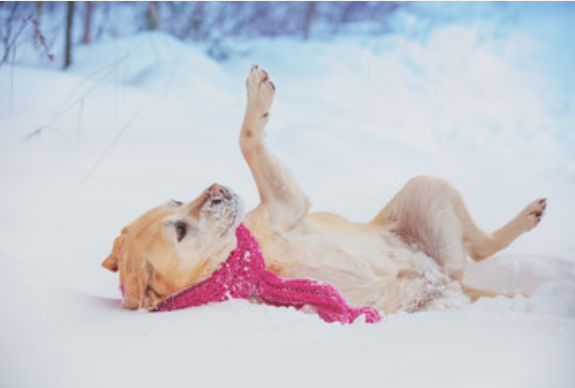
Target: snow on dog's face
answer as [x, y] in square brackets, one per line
[174, 246]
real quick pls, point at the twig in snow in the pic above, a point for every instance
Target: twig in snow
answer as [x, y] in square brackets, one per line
[11, 48]
[65, 108]
[107, 150]
[110, 66]
[41, 39]
[80, 117]
[13, 42]
[11, 87]
[37, 33]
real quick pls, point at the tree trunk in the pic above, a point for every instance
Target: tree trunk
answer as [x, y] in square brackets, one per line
[39, 9]
[87, 20]
[310, 14]
[152, 16]
[69, 20]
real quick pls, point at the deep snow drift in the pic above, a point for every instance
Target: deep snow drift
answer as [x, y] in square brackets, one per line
[143, 119]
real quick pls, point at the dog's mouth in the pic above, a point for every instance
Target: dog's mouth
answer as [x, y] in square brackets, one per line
[223, 206]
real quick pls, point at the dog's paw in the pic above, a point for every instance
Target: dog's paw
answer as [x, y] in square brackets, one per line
[533, 213]
[261, 91]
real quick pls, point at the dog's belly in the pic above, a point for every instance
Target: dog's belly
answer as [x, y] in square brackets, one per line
[360, 260]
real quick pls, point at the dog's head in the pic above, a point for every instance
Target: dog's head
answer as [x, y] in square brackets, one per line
[174, 245]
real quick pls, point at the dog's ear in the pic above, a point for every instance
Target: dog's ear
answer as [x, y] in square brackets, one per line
[111, 262]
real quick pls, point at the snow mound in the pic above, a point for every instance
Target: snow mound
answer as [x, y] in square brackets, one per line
[156, 62]
[549, 282]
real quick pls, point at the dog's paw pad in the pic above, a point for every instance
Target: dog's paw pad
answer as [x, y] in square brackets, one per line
[261, 91]
[533, 213]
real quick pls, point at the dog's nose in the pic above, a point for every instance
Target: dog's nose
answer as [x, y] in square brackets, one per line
[218, 191]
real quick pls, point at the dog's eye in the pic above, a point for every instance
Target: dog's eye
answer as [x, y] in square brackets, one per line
[181, 230]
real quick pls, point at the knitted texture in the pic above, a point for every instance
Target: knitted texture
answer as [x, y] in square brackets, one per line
[243, 275]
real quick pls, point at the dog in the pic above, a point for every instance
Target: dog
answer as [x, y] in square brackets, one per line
[411, 256]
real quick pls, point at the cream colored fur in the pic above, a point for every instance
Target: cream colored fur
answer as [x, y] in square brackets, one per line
[411, 256]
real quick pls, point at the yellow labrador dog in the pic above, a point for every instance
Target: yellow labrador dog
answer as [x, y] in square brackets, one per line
[411, 256]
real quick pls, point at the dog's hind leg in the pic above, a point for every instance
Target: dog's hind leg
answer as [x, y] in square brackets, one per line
[481, 245]
[430, 213]
[423, 214]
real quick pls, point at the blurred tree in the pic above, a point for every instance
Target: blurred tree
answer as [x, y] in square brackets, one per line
[215, 24]
[310, 14]
[69, 22]
[39, 9]
[153, 22]
[87, 22]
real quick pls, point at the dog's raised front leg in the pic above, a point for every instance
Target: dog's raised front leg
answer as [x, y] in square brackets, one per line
[279, 193]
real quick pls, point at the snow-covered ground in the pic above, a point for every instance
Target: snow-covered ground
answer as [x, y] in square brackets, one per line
[490, 106]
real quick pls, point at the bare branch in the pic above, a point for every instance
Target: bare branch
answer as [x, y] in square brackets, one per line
[111, 145]
[66, 106]
[11, 44]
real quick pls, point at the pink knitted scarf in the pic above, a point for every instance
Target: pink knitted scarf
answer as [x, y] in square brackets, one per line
[243, 275]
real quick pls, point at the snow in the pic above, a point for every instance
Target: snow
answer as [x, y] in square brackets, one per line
[139, 120]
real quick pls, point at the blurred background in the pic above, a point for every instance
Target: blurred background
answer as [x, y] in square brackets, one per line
[58, 27]
[369, 93]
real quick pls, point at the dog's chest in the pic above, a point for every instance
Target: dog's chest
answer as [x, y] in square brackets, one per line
[358, 264]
